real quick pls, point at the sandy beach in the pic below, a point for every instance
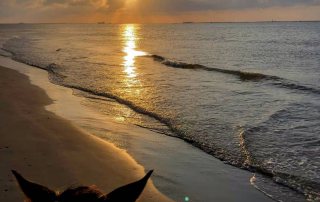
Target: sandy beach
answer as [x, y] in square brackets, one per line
[52, 151]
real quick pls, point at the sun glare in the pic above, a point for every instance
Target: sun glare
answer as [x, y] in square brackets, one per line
[130, 40]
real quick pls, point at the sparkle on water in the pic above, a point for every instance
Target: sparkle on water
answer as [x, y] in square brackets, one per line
[129, 40]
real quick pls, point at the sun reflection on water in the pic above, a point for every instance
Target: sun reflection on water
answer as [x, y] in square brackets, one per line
[129, 34]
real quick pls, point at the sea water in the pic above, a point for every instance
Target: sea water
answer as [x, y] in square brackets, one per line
[246, 93]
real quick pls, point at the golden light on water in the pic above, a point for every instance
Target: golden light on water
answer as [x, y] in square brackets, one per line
[129, 34]
[129, 76]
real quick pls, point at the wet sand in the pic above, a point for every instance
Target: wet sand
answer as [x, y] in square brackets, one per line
[52, 151]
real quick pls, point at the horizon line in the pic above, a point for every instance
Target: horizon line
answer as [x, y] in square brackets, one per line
[182, 22]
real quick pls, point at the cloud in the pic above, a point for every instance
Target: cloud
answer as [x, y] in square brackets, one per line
[169, 6]
[80, 3]
[59, 10]
[40, 10]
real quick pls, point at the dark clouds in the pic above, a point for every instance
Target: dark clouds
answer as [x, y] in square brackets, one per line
[202, 5]
[177, 5]
[45, 8]
[110, 5]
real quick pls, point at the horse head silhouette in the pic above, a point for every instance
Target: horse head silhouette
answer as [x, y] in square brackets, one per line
[38, 193]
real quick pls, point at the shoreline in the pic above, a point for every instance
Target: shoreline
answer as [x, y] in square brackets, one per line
[51, 150]
[182, 172]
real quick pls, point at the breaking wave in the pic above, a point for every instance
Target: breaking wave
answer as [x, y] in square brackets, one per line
[244, 76]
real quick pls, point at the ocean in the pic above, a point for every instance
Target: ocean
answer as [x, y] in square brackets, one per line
[245, 93]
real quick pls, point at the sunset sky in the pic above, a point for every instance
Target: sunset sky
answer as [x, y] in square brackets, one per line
[156, 11]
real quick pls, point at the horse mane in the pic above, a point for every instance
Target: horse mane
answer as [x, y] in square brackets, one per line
[81, 194]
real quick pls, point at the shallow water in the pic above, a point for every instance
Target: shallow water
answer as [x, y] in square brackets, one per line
[246, 93]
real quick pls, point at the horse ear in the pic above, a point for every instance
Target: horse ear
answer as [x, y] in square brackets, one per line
[33, 191]
[129, 192]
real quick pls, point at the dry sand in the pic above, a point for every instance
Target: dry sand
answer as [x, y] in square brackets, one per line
[50, 150]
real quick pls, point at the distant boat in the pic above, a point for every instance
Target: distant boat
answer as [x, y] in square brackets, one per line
[101, 23]
[187, 22]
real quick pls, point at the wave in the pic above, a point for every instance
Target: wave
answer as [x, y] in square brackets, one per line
[52, 68]
[128, 103]
[244, 76]
[284, 132]
[5, 53]
[175, 131]
[302, 185]
[182, 65]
